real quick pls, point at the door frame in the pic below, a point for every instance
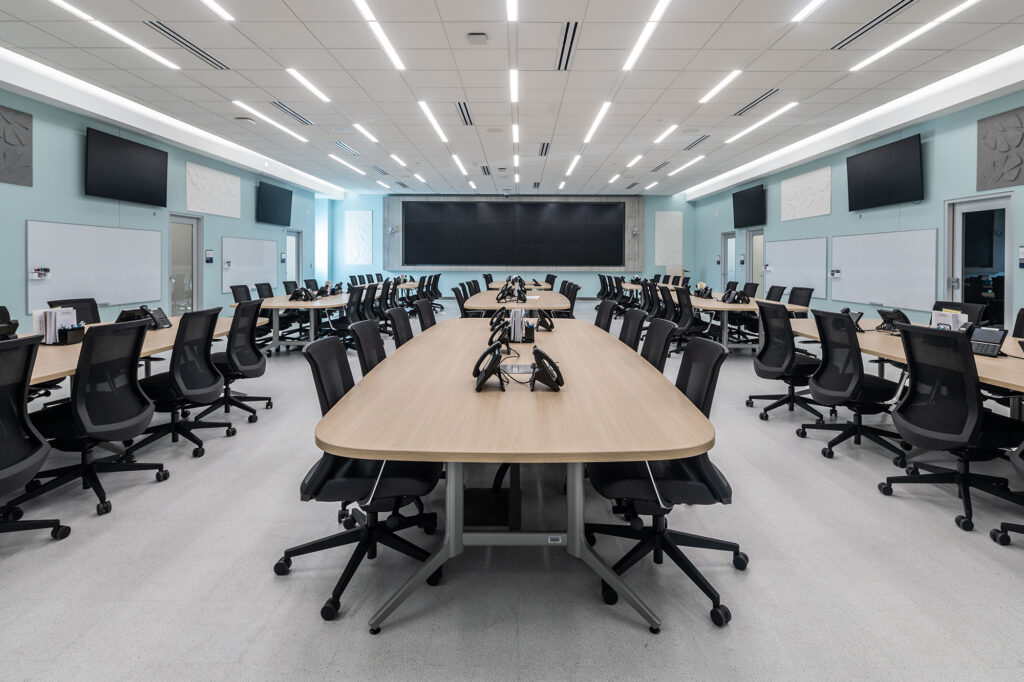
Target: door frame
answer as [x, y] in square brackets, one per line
[725, 255]
[981, 202]
[197, 256]
[298, 252]
[749, 255]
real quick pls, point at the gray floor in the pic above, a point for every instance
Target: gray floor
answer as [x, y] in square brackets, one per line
[177, 582]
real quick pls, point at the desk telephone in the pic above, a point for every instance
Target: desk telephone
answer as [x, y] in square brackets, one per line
[545, 371]
[501, 334]
[891, 318]
[500, 316]
[734, 296]
[488, 365]
[988, 341]
[544, 321]
[855, 317]
[703, 293]
[302, 294]
[157, 318]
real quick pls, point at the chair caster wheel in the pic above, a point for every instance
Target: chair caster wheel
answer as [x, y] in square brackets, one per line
[720, 615]
[330, 609]
[763, 416]
[198, 452]
[434, 579]
[654, 630]
[375, 631]
[103, 508]
[185, 414]
[162, 475]
[61, 532]
[591, 538]
[268, 353]
[827, 453]
[819, 421]
[128, 443]
[14, 514]
[283, 566]
[912, 471]
[740, 561]
[885, 488]
[899, 461]
[833, 412]
[32, 485]
[349, 523]
[999, 537]
[610, 596]
[906, 446]
[230, 431]
[964, 523]
[801, 432]
[430, 528]
[270, 404]
[750, 403]
[253, 419]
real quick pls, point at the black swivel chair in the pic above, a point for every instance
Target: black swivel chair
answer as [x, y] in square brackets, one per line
[378, 487]
[240, 293]
[488, 278]
[107, 405]
[400, 325]
[800, 296]
[730, 286]
[1001, 535]
[632, 327]
[85, 308]
[840, 381]
[362, 279]
[24, 449]
[975, 312]
[191, 380]
[657, 342]
[312, 285]
[1018, 324]
[550, 280]
[380, 277]
[775, 293]
[750, 289]
[460, 298]
[425, 312]
[290, 286]
[778, 359]
[941, 409]
[655, 488]
[603, 319]
[369, 345]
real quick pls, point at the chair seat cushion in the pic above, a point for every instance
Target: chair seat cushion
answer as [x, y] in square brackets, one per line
[354, 480]
[677, 484]
[56, 422]
[158, 388]
[997, 433]
[875, 389]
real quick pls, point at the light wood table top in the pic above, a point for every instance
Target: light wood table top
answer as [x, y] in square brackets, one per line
[57, 362]
[322, 303]
[537, 300]
[715, 304]
[408, 285]
[444, 419]
[1005, 372]
[542, 286]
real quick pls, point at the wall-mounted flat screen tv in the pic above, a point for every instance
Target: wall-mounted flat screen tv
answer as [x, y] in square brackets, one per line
[749, 208]
[886, 175]
[273, 204]
[120, 169]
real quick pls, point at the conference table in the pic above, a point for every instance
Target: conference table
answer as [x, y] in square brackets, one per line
[276, 304]
[537, 300]
[58, 362]
[715, 305]
[539, 286]
[587, 421]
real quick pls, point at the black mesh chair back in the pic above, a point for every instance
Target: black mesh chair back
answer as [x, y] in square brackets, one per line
[245, 357]
[975, 312]
[488, 278]
[603, 319]
[85, 308]
[194, 377]
[750, 289]
[290, 286]
[775, 293]
[574, 289]
[777, 352]
[550, 280]
[602, 291]
[400, 325]
[685, 317]
[264, 290]
[657, 342]
[425, 311]
[421, 288]
[369, 298]
[465, 290]
[942, 406]
[5, 315]
[369, 344]
[1018, 325]
[632, 327]
[380, 277]
[657, 278]
[435, 292]
[731, 286]
[474, 286]
[353, 281]
[240, 292]
[460, 298]
[311, 284]
[698, 372]
[684, 283]
[669, 308]
[354, 304]
[646, 303]
[562, 286]
[332, 374]
[801, 295]
[384, 300]
[24, 449]
[841, 372]
[362, 279]
[107, 402]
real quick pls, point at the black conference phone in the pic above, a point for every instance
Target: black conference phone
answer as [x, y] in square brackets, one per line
[501, 335]
[703, 293]
[157, 318]
[734, 296]
[855, 317]
[891, 318]
[499, 316]
[9, 330]
[545, 371]
[988, 341]
[545, 322]
[488, 365]
[302, 294]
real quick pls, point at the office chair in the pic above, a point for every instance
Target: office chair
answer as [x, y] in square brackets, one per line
[435, 292]
[655, 488]
[562, 286]
[191, 380]
[107, 405]
[688, 322]
[488, 278]
[550, 280]
[380, 277]
[289, 287]
[240, 293]
[800, 296]
[378, 487]
[840, 381]
[657, 278]
[1001, 535]
[362, 279]
[41, 389]
[657, 342]
[24, 449]
[778, 359]
[603, 319]
[602, 291]
[369, 345]
[425, 312]
[243, 359]
[400, 324]
[632, 328]
[941, 409]
[264, 290]
[730, 286]
[311, 284]
[676, 281]
[975, 312]
[466, 293]
[461, 300]
[86, 309]
[774, 293]
[750, 289]
[474, 287]
[1018, 324]
[570, 293]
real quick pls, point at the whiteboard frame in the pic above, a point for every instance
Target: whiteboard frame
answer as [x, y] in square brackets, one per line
[891, 302]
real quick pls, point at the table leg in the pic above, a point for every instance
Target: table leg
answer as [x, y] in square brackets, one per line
[275, 324]
[451, 546]
[1015, 408]
[313, 315]
[724, 319]
[579, 548]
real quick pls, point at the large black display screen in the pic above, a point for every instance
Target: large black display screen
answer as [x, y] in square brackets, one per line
[513, 233]
[120, 169]
[886, 175]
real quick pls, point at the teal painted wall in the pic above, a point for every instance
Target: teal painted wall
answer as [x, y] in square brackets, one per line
[58, 195]
[949, 148]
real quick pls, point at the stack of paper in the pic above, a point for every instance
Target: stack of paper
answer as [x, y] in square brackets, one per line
[49, 322]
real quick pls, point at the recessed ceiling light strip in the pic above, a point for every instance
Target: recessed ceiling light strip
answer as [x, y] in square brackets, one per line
[458, 162]
[365, 132]
[572, 166]
[308, 85]
[808, 10]
[433, 121]
[634, 161]
[650, 185]
[513, 84]
[597, 122]
[114, 33]
[614, 178]
[343, 162]
[266, 119]
[733, 75]
[512, 10]
[398, 161]
[766, 119]
[671, 129]
[913, 35]
[686, 165]
[378, 32]
[218, 10]
[645, 34]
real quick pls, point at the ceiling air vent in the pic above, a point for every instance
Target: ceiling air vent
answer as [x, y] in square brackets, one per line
[348, 149]
[884, 16]
[536, 185]
[379, 169]
[467, 118]
[631, 186]
[565, 54]
[486, 170]
[294, 114]
[696, 142]
[544, 146]
[183, 42]
[757, 101]
[402, 185]
[659, 166]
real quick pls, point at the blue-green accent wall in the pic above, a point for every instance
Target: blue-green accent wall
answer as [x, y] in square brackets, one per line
[58, 195]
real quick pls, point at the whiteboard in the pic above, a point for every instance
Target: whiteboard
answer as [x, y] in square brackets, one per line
[797, 263]
[247, 261]
[668, 238]
[891, 269]
[114, 265]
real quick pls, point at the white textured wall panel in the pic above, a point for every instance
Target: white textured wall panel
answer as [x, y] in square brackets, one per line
[807, 195]
[358, 237]
[668, 238]
[211, 191]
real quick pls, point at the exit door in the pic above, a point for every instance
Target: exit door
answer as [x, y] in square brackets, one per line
[184, 279]
[981, 256]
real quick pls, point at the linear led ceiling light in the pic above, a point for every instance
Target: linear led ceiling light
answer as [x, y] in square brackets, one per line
[512, 9]
[661, 138]
[808, 10]
[634, 161]
[561, 185]
[572, 166]
[913, 35]
[455, 158]
[721, 86]
[515, 161]
[218, 10]
[267, 119]
[513, 84]
[597, 122]
[343, 162]
[433, 121]
[309, 86]
[365, 132]
[383, 185]
[378, 33]
[645, 34]
[398, 161]
[419, 177]
[614, 178]
[686, 165]
[766, 119]
[115, 34]
[515, 133]
[651, 185]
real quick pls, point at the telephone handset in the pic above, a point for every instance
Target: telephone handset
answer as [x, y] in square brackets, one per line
[855, 317]
[504, 294]
[544, 321]
[734, 296]
[499, 335]
[545, 371]
[499, 317]
[488, 365]
[157, 318]
[521, 294]
[891, 318]
[536, 283]
[703, 293]
[302, 294]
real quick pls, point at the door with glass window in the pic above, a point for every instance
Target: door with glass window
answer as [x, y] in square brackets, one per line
[755, 259]
[184, 287]
[293, 256]
[728, 258]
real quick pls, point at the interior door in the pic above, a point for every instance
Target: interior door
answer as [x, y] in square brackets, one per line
[183, 282]
[728, 258]
[293, 256]
[755, 259]
[980, 261]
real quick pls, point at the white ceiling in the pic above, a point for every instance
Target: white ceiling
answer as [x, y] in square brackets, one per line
[696, 44]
